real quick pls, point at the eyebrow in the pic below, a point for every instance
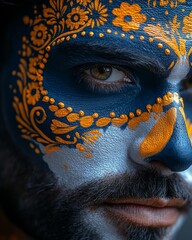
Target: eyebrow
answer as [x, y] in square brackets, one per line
[122, 54]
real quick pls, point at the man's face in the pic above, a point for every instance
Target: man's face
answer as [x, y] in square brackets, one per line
[97, 94]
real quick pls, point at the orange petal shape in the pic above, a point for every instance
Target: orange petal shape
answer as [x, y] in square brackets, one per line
[73, 117]
[53, 108]
[134, 123]
[66, 142]
[63, 130]
[157, 108]
[159, 135]
[51, 148]
[102, 122]
[86, 121]
[145, 116]
[120, 121]
[62, 112]
[60, 124]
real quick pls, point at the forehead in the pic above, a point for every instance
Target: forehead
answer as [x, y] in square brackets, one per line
[159, 28]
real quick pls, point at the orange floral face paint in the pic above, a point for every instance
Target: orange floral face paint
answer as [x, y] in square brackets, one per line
[47, 116]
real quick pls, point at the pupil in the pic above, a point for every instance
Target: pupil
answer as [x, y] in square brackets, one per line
[104, 69]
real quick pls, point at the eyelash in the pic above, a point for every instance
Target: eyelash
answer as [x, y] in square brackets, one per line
[98, 86]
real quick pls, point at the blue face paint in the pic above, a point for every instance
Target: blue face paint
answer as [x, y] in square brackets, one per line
[94, 89]
[74, 95]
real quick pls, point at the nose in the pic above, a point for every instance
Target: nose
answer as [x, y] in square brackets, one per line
[168, 141]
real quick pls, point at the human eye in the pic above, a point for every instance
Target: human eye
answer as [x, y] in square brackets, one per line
[105, 78]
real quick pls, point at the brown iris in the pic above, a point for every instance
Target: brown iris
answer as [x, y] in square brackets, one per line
[101, 72]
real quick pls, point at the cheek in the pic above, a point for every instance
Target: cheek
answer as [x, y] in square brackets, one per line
[187, 176]
[111, 155]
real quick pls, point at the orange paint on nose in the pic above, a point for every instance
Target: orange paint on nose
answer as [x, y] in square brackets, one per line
[159, 135]
[187, 123]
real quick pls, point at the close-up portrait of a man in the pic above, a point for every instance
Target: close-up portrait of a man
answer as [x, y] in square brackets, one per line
[96, 118]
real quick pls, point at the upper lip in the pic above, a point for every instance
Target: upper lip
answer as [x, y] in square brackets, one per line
[150, 202]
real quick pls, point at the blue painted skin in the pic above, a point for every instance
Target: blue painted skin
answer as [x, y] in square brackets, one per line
[148, 67]
[117, 151]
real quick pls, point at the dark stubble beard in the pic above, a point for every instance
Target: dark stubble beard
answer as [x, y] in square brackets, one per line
[32, 198]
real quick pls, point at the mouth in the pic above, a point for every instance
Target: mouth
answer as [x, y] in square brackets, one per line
[147, 212]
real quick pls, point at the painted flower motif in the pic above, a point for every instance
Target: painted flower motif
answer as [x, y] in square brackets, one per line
[34, 63]
[55, 14]
[187, 22]
[33, 93]
[128, 17]
[83, 2]
[76, 18]
[39, 34]
[98, 13]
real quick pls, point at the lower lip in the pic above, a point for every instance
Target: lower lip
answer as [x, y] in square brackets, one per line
[143, 215]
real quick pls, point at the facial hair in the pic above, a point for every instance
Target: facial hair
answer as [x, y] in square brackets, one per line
[33, 199]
